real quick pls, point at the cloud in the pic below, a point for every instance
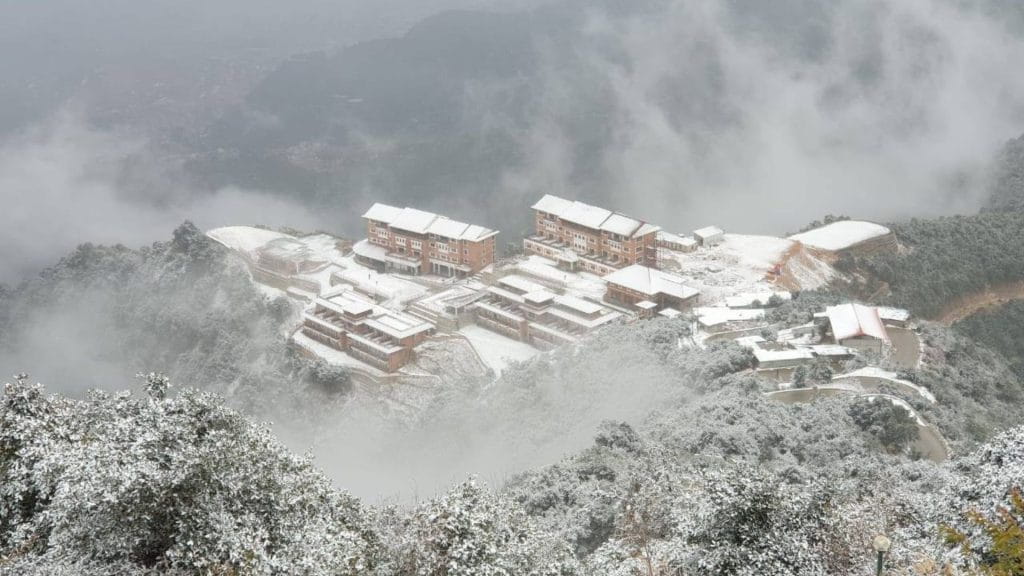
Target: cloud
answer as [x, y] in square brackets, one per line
[65, 183]
[762, 116]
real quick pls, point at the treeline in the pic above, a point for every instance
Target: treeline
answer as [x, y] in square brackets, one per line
[948, 258]
[1001, 329]
[732, 484]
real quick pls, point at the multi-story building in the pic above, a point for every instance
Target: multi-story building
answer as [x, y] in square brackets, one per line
[649, 290]
[415, 242]
[523, 310]
[581, 236]
[381, 338]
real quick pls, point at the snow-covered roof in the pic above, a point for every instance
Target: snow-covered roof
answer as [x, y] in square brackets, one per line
[853, 320]
[651, 282]
[382, 213]
[520, 283]
[344, 304]
[621, 225]
[646, 305]
[841, 235]
[593, 216]
[708, 232]
[423, 222]
[578, 304]
[447, 228]
[714, 316]
[669, 312]
[553, 205]
[893, 314]
[670, 238]
[539, 297]
[398, 326]
[750, 341]
[794, 354]
[287, 249]
[831, 350]
[413, 220]
[244, 238]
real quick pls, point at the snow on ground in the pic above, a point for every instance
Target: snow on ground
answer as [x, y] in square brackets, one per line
[579, 284]
[332, 356]
[496, 350]
[245, 239]
[736, 266]
[873, 372]
[841, 235]
[758, 253]
[392, 289]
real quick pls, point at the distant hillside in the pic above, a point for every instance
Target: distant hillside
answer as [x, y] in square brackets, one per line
[1007, 188]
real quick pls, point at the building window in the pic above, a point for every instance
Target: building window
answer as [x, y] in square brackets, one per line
[417, 245]
[400, 240]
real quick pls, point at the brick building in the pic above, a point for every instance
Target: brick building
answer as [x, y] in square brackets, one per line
[583, 237]
[415, 242]
[381, 338]
[521, 309]
[649, 290]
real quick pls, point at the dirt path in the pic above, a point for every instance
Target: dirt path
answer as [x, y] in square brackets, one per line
[966, 306]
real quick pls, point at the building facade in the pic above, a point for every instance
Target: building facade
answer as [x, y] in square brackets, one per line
[415, 242]
[518, 308]
[648, 291]
[583, 237]
[381, 338]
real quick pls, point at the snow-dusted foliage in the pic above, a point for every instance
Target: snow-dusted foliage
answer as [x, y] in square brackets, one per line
[175, 484]
[473, 532]
[986, 495]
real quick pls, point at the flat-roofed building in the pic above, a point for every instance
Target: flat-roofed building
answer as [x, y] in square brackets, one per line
[649, 290]
[519, 308]
[379, 337]
[583, 237]
[709, 236]
[416, 242]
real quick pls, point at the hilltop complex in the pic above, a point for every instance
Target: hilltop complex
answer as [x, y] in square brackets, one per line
[421, 277]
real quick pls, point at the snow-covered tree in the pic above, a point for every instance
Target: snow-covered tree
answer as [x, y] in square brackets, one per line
[164, 483]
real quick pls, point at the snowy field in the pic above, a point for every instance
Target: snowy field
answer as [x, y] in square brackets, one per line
[496, 350]
[736, 266]
[841, 235]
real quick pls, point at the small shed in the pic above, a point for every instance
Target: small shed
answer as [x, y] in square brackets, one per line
[709, 236]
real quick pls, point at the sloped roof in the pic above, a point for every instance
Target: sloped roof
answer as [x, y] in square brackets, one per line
[622, 225]
[651, 282]
[423, 222]
[593, 216]
[708, 231]
[853, 320]
[382, 213]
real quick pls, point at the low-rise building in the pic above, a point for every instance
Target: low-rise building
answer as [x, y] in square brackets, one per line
[857, 326]
[894, 316]
[676, 242]
[709, 236]
[583, 237]
[416, 242]
[648, 290]
[521, 309]
[381, 338]
[782, 359]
